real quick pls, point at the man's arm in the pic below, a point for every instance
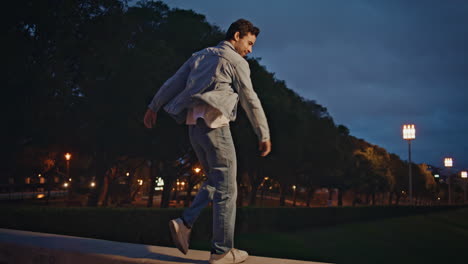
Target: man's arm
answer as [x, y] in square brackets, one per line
[171, 87]
[252, 106]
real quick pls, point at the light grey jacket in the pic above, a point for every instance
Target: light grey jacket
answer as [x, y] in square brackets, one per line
[218, 76]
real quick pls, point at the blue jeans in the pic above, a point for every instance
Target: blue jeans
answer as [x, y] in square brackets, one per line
[217, 155]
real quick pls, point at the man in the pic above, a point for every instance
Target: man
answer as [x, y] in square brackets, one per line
[204, 94]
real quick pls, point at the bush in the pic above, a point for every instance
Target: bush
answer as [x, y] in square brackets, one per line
[150, 225]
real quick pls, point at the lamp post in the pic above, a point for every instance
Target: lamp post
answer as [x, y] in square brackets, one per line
[448, 163]
[409, 133]
[464, 176]
[68, 158]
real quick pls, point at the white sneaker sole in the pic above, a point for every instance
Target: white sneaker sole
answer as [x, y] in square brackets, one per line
[174, 227]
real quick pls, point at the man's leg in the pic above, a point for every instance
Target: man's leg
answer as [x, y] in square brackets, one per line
[205, 193]
[217, 150]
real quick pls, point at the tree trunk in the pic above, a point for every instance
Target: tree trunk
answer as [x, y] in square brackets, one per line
[188, 197]
[397, 200]
[340, 197]
[101, 166]
[282, 201]
[330, 197]
[310, 195]
[240, 195]
[166, 193]
[152, 184]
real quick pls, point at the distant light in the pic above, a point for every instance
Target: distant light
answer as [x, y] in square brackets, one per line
[448, 162]
[197, 170]
[183, 183]
[93, 184]
[266, 178]
[70, 179]
[294, 187]
[438, 198]
[65, 185]
[39, 196]
[464, 174]
[409, 132]
[140, 181]
[39, 175]
[436, 175]
[159, 182]
[68, 156]
[128, 174]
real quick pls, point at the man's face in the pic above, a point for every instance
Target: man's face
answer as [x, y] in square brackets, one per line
[244, 45]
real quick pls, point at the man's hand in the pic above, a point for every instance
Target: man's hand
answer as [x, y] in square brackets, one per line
[150, 118]
[264, 147]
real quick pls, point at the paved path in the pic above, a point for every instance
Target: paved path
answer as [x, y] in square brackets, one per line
[24, 247]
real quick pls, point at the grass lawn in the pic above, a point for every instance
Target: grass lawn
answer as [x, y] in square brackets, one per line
[433, 238]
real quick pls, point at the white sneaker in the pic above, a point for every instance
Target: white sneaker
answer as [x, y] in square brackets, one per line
[180, 234]
[231, 257]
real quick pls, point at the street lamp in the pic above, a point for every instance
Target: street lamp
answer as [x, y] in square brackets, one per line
[409, 133]
[197, 170]
[464, 176]
[68, 158]
[448, 163]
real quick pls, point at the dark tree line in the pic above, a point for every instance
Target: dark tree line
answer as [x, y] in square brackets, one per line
[79, 75]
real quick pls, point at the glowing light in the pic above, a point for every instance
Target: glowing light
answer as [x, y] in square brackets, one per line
[197, 170]
[93, 184]
[448, 162]
[39, 175]
[65, 185]
[266, 178]
[70, 179]
[128, 174]
[294, 187]
[67, 156]
[140, 181]
[39, 196]
[436, 175]
[464, 174]
[409, 132]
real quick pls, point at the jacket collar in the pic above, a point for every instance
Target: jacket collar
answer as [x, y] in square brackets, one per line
[228, 44]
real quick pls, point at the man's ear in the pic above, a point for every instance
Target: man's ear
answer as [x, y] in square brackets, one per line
[237, 36]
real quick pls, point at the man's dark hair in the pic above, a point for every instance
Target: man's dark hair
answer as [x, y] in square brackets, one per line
[243, 27]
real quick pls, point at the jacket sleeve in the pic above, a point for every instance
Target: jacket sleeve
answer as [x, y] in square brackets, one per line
[250, 102]
[171, 87]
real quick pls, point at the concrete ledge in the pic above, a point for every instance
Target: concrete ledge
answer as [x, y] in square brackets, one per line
[40, 248]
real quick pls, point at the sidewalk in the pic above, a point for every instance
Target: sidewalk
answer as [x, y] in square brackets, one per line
[30, 247]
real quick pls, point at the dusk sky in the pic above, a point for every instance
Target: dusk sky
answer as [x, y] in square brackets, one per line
[375, 65]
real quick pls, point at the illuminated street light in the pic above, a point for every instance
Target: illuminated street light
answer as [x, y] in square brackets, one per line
[65, 185]
[448, 163]
[197, 170]
[93, 184]
[409, 133]
[67, 156]
[464, 174]
[128, 174]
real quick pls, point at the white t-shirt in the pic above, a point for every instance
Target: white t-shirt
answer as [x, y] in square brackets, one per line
[212, 116]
